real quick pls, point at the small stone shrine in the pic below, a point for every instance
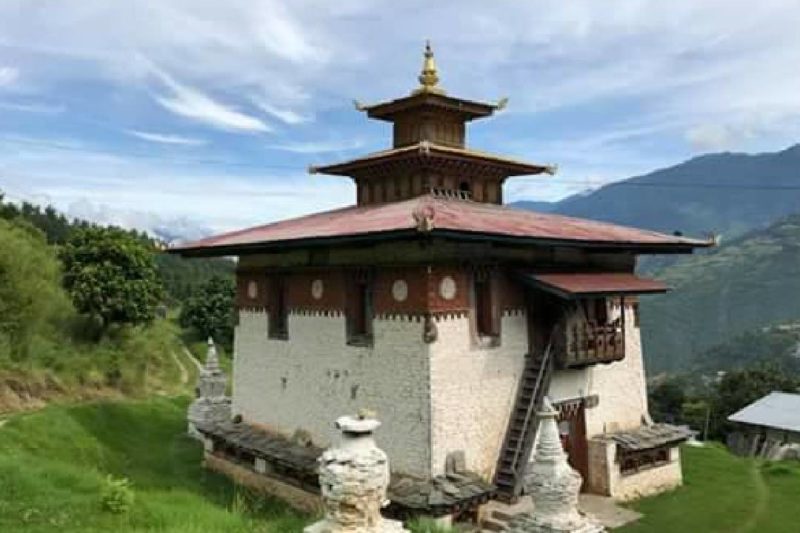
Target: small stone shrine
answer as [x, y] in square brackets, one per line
[210, 406]
[553, 485]
[354, 476]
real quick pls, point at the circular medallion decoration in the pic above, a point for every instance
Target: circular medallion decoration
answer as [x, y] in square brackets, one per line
[400, 290]
[252, 289]
[447, 288]
[317, 288]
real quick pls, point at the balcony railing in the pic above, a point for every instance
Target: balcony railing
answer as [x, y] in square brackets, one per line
[586, 343]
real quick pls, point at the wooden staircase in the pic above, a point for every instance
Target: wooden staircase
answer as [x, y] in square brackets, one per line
[521, 433]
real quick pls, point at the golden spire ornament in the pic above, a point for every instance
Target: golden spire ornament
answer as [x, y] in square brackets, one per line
[429, 77]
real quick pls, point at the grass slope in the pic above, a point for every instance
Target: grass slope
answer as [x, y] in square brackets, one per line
[745, 284]
[724, 493]
[53, 465]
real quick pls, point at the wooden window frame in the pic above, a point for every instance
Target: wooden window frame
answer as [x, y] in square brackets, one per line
[485, 307]
[278, 327]
[359, 312]
[633, 462]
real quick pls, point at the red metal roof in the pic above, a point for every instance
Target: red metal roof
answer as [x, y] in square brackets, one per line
[596, 284]
[443, 217]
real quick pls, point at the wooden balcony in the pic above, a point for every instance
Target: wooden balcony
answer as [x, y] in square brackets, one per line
[586, 343]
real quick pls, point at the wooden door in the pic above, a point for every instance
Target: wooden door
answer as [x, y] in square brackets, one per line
[572, 427]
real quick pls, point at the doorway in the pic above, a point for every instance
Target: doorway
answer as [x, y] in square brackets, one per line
[572, 429]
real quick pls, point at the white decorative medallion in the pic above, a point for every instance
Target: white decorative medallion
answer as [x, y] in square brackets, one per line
[252, 289]
[317, 288]
[400, 290]
[447, 288]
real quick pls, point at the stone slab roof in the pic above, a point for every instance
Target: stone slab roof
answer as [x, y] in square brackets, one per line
[649, 437]
[437, 216]
[779, 410]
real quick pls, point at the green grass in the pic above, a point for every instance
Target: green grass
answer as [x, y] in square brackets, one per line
[54, 463]
[724, 493]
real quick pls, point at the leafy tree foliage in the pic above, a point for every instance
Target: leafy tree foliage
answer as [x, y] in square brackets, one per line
[210, 310]
[667, 399]
[111, 275]
[30, 292]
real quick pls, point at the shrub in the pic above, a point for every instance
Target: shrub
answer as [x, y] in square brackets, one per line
[117, 496]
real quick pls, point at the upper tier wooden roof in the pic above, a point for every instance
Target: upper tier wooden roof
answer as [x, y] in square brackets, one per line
[437, 217]
[432, 153]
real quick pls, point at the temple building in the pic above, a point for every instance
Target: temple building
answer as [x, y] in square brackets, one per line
[451, 317]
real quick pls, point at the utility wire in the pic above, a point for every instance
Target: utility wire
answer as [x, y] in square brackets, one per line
[272, 166]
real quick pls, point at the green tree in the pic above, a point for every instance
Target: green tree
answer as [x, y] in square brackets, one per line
[111, 275]
[30, 293]
[210, 310]
[667, 399]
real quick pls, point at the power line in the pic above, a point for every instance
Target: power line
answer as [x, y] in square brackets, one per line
[269, 166]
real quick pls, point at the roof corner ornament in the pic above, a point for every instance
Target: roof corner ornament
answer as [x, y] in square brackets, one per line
[429, 77]
[424, 216]
[551, 169]
[501, 103]
[359, 106]
[312, 169]
[425, 146]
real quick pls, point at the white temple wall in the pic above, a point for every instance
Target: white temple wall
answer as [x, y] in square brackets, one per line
[313, 378]
[473, 390]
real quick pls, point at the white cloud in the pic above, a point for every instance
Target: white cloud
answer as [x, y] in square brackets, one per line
[317, 147]
[33, 107]
[166, 138]
[8, 76]
[711, 136]
[284, 115]
[193, 104]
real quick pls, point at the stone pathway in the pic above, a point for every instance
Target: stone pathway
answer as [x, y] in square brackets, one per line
[608, 512]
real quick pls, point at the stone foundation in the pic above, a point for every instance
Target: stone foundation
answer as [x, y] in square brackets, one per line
[296, 497]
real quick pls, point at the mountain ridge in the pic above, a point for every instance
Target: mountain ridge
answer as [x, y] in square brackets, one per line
[726, 193]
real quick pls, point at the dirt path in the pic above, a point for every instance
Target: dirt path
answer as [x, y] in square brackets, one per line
[192, 358]
[761, 499]
[181, 368]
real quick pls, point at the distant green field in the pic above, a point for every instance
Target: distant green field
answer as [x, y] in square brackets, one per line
[724, 493]
[54, 463]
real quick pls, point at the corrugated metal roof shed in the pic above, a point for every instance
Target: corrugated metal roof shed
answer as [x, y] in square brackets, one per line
[780, 410]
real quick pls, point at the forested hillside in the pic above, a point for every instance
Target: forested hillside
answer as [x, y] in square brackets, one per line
[179, 276]
[725, 193]
[85, 310]
[745, 284]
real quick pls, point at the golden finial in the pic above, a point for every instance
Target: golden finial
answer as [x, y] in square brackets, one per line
[428, 78]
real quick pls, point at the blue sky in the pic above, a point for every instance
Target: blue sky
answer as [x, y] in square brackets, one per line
[203, 115]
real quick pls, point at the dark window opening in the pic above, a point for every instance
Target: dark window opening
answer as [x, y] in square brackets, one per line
[359, 316]
[279, 310]
[485, 320]
[632, 462]
[464, 186]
